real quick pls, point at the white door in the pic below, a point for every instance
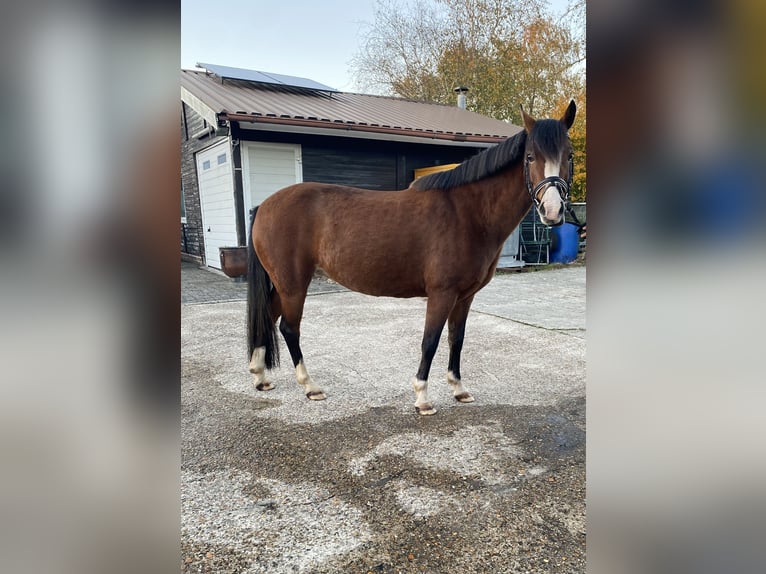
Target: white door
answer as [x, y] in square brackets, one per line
[268, 168]
[216, 194]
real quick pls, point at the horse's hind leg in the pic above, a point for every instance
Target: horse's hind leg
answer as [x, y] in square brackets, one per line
[258, 368]
[258, 360]
[456, 324]
[290, 327]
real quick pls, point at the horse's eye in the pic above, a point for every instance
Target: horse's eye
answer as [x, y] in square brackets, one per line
[530, 158]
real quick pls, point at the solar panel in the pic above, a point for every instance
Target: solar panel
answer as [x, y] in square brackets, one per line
[265, 77]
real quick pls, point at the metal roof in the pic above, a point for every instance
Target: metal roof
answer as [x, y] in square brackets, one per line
[237, 100]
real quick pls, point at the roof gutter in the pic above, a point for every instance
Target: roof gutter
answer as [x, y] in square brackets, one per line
[351, 126]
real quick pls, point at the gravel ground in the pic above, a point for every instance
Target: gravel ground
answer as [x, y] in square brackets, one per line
[272, 482]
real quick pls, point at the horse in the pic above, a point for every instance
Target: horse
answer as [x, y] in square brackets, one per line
[440, 238]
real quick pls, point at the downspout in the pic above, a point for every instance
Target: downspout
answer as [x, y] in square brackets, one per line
[239, 196]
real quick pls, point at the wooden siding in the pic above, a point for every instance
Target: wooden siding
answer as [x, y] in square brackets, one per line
[430, 157]
[346, 166]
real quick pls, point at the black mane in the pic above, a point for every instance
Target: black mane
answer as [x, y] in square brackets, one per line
[483, 164]
[548, 137]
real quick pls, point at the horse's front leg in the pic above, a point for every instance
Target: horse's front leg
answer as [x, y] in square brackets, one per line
[457, 320]
[290, 327]
[439, 307]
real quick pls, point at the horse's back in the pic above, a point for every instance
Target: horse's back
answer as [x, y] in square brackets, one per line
[318, 209]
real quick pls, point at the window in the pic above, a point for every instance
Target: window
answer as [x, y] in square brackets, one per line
[222, 159]
[206, 164]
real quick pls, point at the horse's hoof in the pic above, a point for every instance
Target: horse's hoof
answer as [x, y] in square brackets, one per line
[264, 386]
[316, 396]
[425, 409]
[464, 398]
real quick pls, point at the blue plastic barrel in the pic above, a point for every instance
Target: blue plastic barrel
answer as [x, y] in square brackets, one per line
[565, 242]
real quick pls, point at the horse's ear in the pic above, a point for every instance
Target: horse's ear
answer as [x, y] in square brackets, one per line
[529, 121]
[568, 118]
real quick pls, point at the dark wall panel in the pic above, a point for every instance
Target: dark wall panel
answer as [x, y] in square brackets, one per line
[429, 157]
[346, 166]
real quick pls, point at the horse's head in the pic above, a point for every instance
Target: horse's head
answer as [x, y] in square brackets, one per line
[548, 164]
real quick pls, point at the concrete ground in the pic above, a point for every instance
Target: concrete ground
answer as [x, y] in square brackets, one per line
[273, 482]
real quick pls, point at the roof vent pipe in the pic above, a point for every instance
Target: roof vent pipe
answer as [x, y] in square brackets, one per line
[461, 91]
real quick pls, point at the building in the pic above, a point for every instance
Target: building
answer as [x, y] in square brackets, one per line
[247, 134]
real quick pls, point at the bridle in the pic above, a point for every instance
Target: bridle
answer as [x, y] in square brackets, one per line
[560, 184]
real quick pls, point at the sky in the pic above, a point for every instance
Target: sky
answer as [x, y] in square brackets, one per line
[306, 38]
[303, 38]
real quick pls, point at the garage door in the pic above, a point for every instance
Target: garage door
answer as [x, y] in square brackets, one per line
[268, 168]
[216, 192]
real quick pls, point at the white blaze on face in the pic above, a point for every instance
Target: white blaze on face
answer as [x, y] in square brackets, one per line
[550, 202]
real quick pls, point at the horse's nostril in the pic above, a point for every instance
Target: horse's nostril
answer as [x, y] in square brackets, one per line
[561, 210]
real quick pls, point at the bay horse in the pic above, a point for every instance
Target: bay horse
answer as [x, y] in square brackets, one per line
[440, 238]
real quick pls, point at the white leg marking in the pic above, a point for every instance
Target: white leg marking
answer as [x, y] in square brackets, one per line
[422, 404]
[458, 391]
[312, 390]
[258, 368]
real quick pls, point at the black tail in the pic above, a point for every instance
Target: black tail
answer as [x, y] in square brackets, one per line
[261, 330]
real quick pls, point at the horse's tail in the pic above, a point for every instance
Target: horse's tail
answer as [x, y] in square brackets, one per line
[261, 330]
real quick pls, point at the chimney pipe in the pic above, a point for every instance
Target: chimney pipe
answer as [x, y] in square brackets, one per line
[461, 91]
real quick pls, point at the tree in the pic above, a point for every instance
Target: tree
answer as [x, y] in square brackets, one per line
[507, 52]
[577, 137]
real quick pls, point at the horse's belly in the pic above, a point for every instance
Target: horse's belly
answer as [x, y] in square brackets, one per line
[373, 276]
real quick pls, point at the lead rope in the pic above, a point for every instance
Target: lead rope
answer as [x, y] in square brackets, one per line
[568, 203]
[570, 211]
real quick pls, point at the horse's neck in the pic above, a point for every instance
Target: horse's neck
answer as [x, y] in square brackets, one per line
[499, 203]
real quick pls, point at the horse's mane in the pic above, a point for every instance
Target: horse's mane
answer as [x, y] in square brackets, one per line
[548, 137]
[483, 164]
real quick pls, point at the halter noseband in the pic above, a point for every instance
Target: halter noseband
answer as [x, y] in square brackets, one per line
[560, 184]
